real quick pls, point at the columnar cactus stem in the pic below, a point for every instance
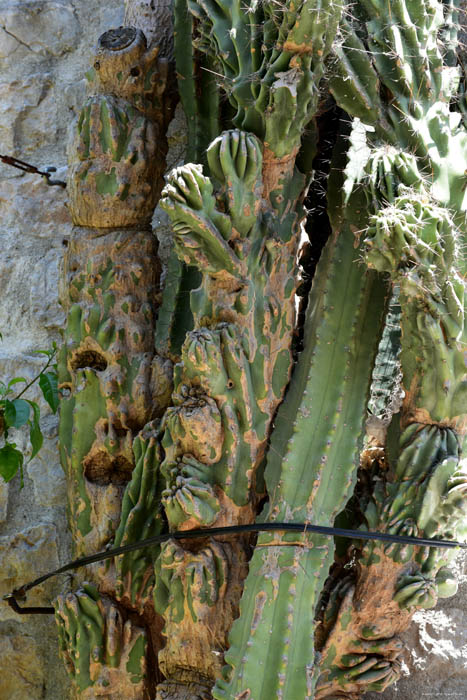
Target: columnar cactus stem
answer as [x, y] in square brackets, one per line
[114, 384]
[235, 366]
[226, 440]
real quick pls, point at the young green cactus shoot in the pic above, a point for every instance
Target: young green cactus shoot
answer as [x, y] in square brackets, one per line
[241, 409]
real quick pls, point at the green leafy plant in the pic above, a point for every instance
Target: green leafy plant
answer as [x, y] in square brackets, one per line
[15, 412]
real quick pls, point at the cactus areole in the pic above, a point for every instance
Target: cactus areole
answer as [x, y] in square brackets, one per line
[250, 403]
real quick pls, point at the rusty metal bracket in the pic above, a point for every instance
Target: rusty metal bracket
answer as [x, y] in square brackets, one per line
[28, 168]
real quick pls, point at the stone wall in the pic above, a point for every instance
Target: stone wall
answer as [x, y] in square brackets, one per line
[44, 52]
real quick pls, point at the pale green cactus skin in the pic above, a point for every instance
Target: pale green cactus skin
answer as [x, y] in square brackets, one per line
[96, 643]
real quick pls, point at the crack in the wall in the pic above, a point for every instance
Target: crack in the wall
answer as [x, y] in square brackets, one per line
[22, 43]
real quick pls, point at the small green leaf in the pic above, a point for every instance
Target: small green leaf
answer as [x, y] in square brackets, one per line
[16, 413]
[35, 433]
[11, 460]
[48, 382]
[15, 381]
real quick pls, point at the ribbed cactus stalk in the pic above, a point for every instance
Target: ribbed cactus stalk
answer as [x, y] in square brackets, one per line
[113, 382]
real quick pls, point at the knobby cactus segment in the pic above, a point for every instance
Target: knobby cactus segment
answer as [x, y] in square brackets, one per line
[399, 46]
[426, 497]
[417, 243]
[105, 654]
[112, 381]
[234, 367]
[271, 57]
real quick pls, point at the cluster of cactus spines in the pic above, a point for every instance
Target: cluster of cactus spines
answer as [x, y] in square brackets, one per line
[271, 58]
[114, 384]
[397, 46]
[103, 651]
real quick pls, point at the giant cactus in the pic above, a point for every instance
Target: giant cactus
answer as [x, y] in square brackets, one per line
[259, 427]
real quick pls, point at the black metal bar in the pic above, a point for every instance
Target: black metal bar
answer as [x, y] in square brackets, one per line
[13, 603]
[304, 528]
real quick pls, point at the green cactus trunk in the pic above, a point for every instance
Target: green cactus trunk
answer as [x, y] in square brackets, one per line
[250, 428]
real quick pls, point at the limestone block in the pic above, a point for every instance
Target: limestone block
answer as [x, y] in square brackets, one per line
[3, 501]
[21, 672]
[22, 330]
[8, 44]
[43, 286]
[28, 206]
[46, 28]
[74, 96]
[22, 117]
[47, 476]
[37, 127]
[23, 557]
